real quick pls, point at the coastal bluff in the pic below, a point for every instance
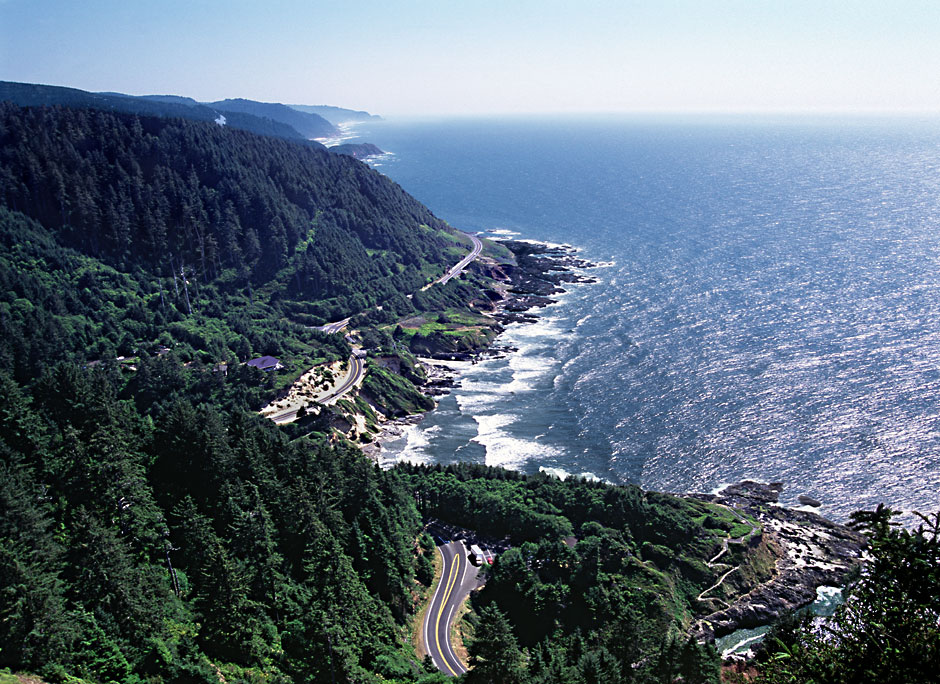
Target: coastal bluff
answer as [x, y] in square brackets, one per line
[801, 549]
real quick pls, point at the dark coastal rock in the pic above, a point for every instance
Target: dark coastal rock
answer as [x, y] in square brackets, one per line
[538, 274]
[807, 500]
[526, 302]
[357, 150]
[744, 493]
[508, 317]
[811, 551]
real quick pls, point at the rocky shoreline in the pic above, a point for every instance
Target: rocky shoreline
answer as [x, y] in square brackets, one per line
[806, 550]
[540, 271]
[809, 551]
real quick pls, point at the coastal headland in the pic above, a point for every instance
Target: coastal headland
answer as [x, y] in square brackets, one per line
[797, 551]
[771, 560]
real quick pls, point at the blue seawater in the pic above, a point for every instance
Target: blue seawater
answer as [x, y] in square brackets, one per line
[768, 307]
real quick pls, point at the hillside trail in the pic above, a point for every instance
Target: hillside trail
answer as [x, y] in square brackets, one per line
[714, 564]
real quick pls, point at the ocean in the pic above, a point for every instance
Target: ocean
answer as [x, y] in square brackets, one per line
[767, 304]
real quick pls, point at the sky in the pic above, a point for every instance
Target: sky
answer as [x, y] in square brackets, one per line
[470, 57]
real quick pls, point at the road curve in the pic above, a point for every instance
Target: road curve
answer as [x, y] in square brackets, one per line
[458, 579]
[463, 263]
[331, 328]
[357, 368]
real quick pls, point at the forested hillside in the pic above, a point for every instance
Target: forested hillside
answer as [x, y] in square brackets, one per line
[152, 528]
[170, 106]
[122, 232]
[133, 550]
[167, 194]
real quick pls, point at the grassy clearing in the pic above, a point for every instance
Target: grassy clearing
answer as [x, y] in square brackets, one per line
[498, 252]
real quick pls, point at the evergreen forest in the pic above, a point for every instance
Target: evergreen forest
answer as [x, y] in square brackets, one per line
[154, 528]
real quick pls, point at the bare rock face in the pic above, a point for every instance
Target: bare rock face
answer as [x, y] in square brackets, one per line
[746, 493]
[811, 552]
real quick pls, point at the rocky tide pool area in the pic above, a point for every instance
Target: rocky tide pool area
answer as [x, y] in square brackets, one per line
[808, 551]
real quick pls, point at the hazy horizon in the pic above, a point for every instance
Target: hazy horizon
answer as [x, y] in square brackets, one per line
[489, 59]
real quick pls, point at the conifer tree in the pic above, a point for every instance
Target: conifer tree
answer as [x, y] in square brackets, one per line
[495, 657]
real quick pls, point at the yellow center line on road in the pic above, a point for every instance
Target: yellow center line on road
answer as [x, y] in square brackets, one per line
[451, 580]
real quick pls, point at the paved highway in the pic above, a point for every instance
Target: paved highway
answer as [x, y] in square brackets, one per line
[462, 264]
[458, 579]
[331, 328]
[357, 368]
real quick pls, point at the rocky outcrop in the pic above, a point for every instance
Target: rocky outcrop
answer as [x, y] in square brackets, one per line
[811, 552]
[537, 275]
[357, 150]
[515, 289]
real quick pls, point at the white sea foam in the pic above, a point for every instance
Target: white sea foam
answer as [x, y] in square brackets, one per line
[561, 299]
[545, 331]
[346, 132]
[417, 439]
[563, 474]
[527, 369]
[447, 363]
[479, 383]
[551, 245]
[736, 647]
[477, 392]
[502, 232]
[827, 593]
[377, 160]
[471, 403]
[502, 449]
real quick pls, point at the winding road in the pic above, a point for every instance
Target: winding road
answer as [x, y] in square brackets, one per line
[356, 364]
[331, 328]
[357, 369]
[458, 579]
[463, 263]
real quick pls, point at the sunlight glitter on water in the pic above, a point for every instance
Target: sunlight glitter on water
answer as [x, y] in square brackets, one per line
[778, 321]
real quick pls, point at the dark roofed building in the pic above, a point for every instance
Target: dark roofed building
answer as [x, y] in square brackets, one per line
[265, 363]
